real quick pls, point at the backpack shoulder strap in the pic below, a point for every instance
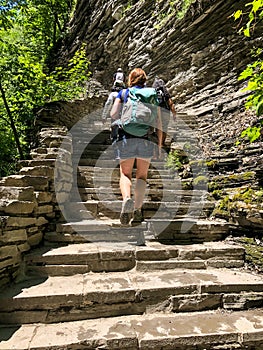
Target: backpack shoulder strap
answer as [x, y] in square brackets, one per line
[124, 95]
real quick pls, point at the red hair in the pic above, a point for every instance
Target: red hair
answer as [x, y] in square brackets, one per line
[137, 77]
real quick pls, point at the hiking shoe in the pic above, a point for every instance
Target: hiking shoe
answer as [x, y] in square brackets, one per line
[137, 217]
[126, 211]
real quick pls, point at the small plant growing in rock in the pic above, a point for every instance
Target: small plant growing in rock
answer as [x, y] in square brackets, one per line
[200, 180]
[252, 133]
[176, 160]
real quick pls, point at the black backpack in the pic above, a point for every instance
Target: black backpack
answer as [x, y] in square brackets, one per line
[162, 93]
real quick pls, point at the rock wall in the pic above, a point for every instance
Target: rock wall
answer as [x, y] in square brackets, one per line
[199, 55]
[29, 200]
[67, 114]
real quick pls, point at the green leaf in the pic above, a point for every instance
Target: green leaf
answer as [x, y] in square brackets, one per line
[246, 31]
[238, 14]
[256, 5]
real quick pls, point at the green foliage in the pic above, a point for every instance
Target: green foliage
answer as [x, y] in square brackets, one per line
[184, 7]
[253, 133]
[66, 83]
[8, 158]
[25, 81]
[254, 252]
[254, 74]
[174, 8]
[248, 196]
[176, 160]
[254, 71]
[200, 180]
[45, 21]
[211, 164]
[225, 181]
[244, 199]
[254, 14]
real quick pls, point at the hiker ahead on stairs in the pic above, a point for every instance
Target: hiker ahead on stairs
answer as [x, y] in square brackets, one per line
[140, 115]
[166, 104]
[109, 103]
[118, 79]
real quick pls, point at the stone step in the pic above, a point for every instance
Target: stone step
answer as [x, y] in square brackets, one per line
[86, 257]
[105, 179]
[212, 330]
[78, 297]
[115, 171]
[182, 230]
[136, 237]
[111, 209]
[153, 194]
[110, 163]
[92, 230]
[188, 230]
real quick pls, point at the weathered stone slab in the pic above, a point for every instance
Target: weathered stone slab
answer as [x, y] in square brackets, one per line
[18, 193]
[38, 171]
[243, 301]
[38, 162]
[10, 262]
[186, 331]
[100, 295]
[153, 256]
[63, 186]
[35, 239]
[13, 236]
[23, 247]
[39, 183]
[41, 221]
[16, 207]
[191, 230]
[43, 209]
[19, 222]
[170, 264]
[196, 302]
[44, 197]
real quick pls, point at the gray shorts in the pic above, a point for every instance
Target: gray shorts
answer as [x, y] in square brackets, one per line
[165, 119]
[135, 147]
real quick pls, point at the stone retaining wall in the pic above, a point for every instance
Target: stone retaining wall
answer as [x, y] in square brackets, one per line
[29, 200]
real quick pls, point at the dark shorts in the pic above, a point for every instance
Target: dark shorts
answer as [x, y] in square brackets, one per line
[135, 147]
[165, 119]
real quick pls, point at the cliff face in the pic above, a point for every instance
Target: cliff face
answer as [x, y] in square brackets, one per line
[199, 56]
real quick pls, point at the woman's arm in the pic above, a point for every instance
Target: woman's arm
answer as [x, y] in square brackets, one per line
[172, 108]
[116, 108]
[159, 131]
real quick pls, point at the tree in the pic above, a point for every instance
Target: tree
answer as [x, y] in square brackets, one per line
[26, 84]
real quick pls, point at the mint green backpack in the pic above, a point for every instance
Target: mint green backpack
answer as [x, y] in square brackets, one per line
[139, 111]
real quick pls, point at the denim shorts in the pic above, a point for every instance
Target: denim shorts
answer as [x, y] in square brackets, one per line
[135, 147]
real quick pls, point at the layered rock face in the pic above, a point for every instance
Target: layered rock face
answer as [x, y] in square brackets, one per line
[199, 55]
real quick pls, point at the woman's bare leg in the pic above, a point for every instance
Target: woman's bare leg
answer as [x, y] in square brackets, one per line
[141, 177]
[126, 167]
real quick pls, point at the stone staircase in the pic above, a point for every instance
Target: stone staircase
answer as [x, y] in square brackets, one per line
[173, 282]
[172, 213]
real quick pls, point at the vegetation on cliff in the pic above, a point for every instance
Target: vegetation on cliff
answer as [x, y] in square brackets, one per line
[254, 71]
[29, 32]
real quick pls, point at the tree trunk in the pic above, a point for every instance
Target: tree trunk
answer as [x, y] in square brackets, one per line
[12, 123]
